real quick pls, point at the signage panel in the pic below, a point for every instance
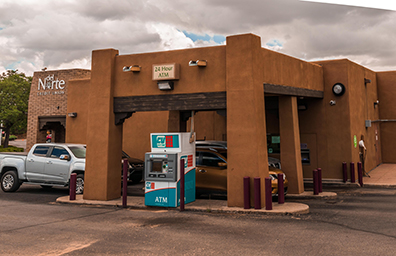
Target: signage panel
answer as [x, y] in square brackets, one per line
[166, 71]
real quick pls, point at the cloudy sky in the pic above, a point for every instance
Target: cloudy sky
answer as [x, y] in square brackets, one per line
[61, 34]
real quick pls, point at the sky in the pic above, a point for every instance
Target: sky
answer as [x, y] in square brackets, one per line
[61, 34]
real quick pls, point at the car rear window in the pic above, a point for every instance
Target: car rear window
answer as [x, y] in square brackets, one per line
[78, 152]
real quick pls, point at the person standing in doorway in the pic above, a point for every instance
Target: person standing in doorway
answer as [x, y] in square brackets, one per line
[362, 154]
[49, 137]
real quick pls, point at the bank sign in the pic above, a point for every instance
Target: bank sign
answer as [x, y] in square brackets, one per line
[166, 71]
[51, 86]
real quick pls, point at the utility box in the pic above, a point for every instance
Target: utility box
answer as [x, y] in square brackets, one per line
[162, 169]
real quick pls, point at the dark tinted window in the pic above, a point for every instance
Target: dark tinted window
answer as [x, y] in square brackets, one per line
[78, 151]
[41, 150]
[58, 151]
[210, 159]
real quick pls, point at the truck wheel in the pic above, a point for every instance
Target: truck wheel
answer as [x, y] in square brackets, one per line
[10, 182]
[80, 184]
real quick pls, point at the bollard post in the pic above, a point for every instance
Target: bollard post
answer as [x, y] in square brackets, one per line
[281, 189]
[246, 192]
[315, 182]
[352, 172]
[181, 185]
[268, 194]
[72, 186]
[360, 174]
[344, 171]
[257, 193]
[124, 183]
[320, 180]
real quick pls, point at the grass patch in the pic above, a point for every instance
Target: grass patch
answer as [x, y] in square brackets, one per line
[11, 149]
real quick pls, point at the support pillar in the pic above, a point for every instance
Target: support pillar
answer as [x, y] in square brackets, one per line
[246, 130]
[104, 138]
[290, 149]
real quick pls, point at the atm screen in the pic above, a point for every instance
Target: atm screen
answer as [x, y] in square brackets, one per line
[156, 166]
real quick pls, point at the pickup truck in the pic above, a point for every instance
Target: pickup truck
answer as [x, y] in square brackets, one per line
[46, 164]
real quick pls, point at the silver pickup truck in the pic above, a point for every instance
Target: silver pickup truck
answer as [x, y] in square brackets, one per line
[47, 164]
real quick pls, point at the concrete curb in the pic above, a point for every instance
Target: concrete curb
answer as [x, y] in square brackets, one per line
[310, 195]
[209, 206]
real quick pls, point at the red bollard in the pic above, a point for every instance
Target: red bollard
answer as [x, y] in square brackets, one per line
[320, 180]
[281, 189]
[72, 186]
[268, 194]
[246, 192]
[360, 174]
[124, 183]
[353, 172]
[344, 172]
[181, 185]
[316, 182]
[257, 194]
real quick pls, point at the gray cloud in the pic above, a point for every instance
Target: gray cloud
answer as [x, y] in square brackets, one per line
[58, 33]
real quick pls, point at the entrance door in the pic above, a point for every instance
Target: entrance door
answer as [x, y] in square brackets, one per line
[377, 144]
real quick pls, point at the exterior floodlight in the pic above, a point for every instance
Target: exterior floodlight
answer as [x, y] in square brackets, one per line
[135, 68]
[199, 63]
[165, 85]
[72, 115]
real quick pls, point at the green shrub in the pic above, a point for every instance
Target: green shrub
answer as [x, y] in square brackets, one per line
[10, 149]
[13, 137]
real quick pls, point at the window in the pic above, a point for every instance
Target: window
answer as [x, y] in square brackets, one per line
[58, 151]
[210, 159]
[41, 150]
[78, 151]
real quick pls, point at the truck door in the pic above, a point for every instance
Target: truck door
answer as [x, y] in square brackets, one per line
[57, 170]
[35, 163]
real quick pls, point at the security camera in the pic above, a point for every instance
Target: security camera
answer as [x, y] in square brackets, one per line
[332, 102]
[126, 68]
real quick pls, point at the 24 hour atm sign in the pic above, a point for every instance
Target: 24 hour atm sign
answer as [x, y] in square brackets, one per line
[166, 71]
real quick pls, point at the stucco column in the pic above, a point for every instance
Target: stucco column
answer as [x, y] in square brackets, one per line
[246, 130]
[104, 138]
[290, 151]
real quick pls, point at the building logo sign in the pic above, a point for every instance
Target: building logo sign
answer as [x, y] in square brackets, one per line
[51, 86]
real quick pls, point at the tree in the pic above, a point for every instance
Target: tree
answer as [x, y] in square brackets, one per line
[14, 99]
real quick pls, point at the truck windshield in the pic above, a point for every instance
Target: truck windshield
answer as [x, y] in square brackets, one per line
[78, 152]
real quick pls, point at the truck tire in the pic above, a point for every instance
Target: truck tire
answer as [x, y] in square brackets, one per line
[10, 181]
[80, 183]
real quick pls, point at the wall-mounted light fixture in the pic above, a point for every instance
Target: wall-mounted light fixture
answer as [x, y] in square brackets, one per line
[72, 115]
[376, 103]
[133, 68]
[165, 85]
[302, 107]
[199, 63]
[366, 81]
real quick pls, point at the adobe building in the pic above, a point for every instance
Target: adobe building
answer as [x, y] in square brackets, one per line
[308, 114]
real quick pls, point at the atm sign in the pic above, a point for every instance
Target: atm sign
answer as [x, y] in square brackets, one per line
[165, 141]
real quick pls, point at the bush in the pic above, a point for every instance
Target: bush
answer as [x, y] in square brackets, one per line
[10, 149]
[13, 137]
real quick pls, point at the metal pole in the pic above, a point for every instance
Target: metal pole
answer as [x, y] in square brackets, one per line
[246, 192]
[320, 180]
[344, 171]
[124, 183]
[315, 182]
[72, 186]
[353, 172]
[257, 193]
[181, 185]
[281, 189]
[360, 174]
[268, 194]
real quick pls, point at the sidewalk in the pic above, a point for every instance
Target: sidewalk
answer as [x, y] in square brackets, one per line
[382, 176]
[200, 205]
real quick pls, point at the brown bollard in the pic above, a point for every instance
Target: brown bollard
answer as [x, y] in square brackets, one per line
[257, 193]
[268, 194]
[181, 185]
[281, 189]
[320, 180]
[353, 172]
[246, 192]
[344, 172]
[360, 174]
[315, 182]
[72, 186]
[124, 183]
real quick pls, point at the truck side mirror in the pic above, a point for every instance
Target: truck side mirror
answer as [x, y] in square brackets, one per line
[64, 157]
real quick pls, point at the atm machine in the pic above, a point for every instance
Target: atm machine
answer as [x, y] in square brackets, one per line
[162, 169]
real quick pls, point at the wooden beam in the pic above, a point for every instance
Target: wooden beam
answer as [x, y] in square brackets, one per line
[292, 91]
[165, 102]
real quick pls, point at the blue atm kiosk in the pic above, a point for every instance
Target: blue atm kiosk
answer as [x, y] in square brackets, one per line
[162, 169]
